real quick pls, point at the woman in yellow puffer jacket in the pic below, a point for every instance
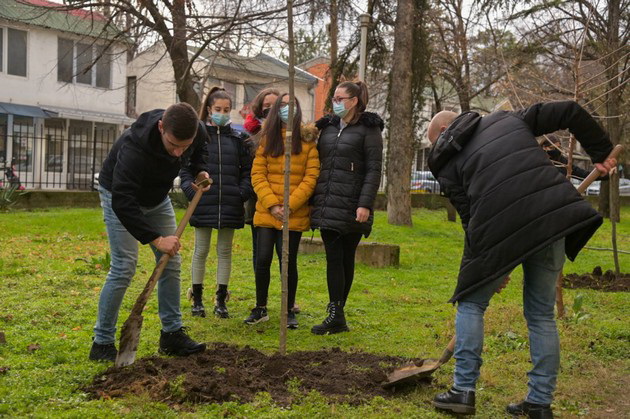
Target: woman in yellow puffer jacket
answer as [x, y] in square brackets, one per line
[268, 183]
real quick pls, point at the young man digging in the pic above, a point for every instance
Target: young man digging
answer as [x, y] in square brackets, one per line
[134, 183]
[516, 208]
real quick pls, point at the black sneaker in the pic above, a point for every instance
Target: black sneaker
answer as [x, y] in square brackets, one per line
[292, 322]
[107, 352]
[178, 343]
[259, 314]
[456, 401]
[532, 410]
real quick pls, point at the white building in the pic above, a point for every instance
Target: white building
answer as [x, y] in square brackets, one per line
[150, 76]
[62, 93]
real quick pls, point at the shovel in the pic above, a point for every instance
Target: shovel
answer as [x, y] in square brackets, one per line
[413, 372]
[130, 334]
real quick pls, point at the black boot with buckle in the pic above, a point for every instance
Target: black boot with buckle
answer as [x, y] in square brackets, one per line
[198, 310]
[531, 410]
[334, 323]
[456, 401]
[222, 297]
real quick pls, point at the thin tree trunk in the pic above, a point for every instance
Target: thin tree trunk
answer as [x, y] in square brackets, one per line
[287, 184]
[609, 195]
[400, 144]
[613, 222]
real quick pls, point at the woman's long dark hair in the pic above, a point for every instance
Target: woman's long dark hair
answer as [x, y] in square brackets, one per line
[256, 105]
[272, 130]
[214, 94]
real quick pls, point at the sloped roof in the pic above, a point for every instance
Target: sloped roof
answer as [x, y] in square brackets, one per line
[261, 64]
[57, 16]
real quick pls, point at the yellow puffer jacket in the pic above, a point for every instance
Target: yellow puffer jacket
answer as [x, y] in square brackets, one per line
[268, 182]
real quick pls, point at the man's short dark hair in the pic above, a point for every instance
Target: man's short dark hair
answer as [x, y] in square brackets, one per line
[180, 120]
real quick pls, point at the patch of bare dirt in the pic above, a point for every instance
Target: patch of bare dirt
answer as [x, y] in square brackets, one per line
[228, 373]
[598, 280]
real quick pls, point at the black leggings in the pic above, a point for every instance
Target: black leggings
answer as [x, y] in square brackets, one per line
[267, 239]
[340, 251]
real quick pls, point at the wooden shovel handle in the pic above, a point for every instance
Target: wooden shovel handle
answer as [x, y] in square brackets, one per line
[448, 352]
[138, 307]
[595, 173]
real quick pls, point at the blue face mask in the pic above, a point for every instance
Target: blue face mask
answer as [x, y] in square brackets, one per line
[340, 109]
[220, 119]
[284, 113]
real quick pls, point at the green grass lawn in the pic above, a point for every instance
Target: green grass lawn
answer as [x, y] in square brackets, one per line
[50, 278]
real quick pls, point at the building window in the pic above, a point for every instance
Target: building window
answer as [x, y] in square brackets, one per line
[14, 52]
[75, 63]
[65, 54]
[131, 97]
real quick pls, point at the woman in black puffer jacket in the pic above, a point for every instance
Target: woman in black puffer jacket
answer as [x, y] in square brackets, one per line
[350, 150]
[221, 208]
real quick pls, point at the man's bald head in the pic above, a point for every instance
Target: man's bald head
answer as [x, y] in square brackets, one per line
[439, 123]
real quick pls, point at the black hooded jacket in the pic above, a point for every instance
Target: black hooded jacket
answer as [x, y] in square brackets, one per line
[139, 172]
[229, 166]
[511, 199]
[350, 173]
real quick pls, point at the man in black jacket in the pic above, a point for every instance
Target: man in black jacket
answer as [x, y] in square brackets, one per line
[516, 208]
[134, 183]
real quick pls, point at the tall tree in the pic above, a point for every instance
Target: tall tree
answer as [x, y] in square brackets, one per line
[587, 57]
[400, 143]
[180, 24]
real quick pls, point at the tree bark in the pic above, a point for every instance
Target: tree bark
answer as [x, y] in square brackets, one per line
[609, 195]
[400, 144]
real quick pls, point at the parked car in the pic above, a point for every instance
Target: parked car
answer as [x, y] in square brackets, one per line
[424, 181]
[624, 187]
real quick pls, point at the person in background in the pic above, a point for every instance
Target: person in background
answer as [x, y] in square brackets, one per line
[516, 209]
[260, 107]
[134, 183]
[268, 182]
[350, 149]
[221, 208]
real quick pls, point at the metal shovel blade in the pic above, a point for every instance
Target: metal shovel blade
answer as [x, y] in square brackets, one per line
[411, 373]
[129, 339]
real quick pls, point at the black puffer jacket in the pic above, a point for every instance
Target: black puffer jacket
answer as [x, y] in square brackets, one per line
[139, 172]
[229, 166]
[350, 173]
[511, 199]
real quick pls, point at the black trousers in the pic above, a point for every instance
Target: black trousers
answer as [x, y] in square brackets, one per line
[340, 252]
[266, 240]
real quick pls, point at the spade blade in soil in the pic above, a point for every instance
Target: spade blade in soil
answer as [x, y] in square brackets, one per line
[129, 338]
[411, 373]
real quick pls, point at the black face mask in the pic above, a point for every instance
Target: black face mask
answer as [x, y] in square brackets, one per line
[265, 113]
[554, 154]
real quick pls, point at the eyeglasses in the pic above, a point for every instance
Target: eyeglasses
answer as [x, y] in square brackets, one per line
[339, 99]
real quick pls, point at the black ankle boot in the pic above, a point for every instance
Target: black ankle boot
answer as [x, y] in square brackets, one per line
[334, 323]
[198, 310]
[220, 309]
[531, 410]
[456, 401]
[178, 343]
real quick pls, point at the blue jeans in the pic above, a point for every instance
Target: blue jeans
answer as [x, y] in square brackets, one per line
[540, 272]
[124, 258]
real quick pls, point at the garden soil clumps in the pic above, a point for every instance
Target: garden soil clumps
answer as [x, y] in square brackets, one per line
[227, 373]
[598, 280]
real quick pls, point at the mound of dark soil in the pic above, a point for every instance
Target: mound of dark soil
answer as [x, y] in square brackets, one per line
[228, 373]
[598, 280]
